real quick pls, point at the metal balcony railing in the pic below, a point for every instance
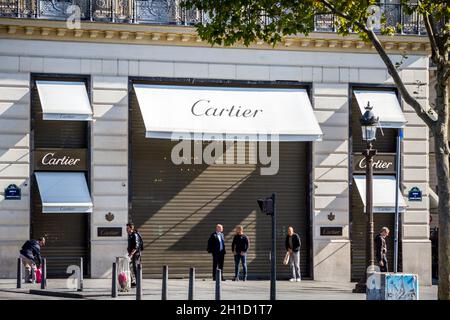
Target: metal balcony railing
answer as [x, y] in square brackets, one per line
[166, 12]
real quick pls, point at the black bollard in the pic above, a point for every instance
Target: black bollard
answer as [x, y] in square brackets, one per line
[139, 282]
[114, 281]
[44, 274]
[19, 273]
[218, 283]
[165, 281]
[80, 279]
[191, 284]
[33, 275]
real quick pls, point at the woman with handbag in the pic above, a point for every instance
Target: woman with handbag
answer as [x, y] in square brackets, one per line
[292, 245]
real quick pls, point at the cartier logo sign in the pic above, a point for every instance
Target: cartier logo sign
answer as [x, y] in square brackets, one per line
[381, 163]
[60, 159]
[206, 109]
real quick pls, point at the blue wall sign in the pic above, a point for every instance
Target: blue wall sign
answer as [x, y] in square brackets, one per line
[12, 192]
[415, 194]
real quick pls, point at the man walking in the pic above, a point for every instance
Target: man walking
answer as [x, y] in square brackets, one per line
[381, 249]
[292, 245]
[216, 246]
[134, 251]
[31, 257]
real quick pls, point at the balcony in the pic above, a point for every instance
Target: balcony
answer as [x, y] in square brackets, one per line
[165, 12]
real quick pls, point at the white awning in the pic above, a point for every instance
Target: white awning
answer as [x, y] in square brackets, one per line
[383, 193]
[64, 100]
[226, 113]
[385, 106]
[63, 192]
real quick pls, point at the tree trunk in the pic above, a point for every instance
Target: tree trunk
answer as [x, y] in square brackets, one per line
[442, 170]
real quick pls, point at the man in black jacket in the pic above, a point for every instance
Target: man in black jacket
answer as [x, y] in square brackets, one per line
[240, 247]
[381, 249]
[31, 257]
[292, 245]
[134, 251]
[216, 246]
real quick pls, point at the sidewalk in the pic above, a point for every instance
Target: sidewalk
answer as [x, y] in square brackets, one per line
[100, 289]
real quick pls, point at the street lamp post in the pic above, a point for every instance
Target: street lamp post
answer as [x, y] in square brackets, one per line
[369, 125]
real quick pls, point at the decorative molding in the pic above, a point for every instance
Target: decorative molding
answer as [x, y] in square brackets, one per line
[187, 36]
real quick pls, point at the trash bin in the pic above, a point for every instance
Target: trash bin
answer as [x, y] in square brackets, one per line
[393, 286]
[123, 274]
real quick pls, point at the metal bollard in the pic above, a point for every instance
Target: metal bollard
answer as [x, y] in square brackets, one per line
[44, 274]
[33, 275]
[19, 273]
[114, 281]
[191, 284]
[139, 282]
[80, 279]
[165, 281]
[218, 283]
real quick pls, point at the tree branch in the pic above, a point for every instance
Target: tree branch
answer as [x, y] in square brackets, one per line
[387, 61]
[431, 36]
[397, 79]
[333, 9]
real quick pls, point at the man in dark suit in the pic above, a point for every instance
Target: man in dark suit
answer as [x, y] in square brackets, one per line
[381, 249]
[216, 246]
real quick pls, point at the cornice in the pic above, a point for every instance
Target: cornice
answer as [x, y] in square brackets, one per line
[125, 33]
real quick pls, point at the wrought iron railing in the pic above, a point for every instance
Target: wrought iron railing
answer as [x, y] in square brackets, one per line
[167, 12]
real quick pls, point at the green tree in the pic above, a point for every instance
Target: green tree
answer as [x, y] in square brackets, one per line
[247, 21]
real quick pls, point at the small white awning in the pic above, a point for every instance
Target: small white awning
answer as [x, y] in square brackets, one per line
[64, 192]
[64, 100]
[226, 113]
[385, 106]
[383, 193]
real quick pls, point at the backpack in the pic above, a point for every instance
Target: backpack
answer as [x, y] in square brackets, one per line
[141, 242]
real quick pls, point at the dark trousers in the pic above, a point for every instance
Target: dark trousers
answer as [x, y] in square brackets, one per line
[133, 266]
[237, 260]
[384, 267]
[218, 259]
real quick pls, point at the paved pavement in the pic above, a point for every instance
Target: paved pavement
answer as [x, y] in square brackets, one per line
[100, 289]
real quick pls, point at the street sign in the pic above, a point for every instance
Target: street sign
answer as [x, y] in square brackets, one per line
[13, 192]
[415, 194]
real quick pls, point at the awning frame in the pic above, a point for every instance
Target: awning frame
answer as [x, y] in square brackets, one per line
[64, 100]
[383, 207]
[187, 130]
[393, 116]
[48, 188]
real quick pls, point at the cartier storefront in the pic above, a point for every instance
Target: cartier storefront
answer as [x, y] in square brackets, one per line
[60, 193]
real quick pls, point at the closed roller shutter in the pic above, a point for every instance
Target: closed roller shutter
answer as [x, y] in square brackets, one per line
[359, 232]
[176, 207]
[66, 234]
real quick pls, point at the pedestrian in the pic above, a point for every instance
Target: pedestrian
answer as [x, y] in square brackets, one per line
[31, 258]
[240, 247]
[135, 246]
[292, 245]
[381, 249]
[216, 246]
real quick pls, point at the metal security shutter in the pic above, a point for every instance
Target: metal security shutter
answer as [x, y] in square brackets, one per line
[66, 234]
[359, 232]
[176, 207]
[386, 138]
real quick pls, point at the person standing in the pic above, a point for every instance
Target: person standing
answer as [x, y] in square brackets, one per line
[381, 249]
[30, 253]
[292, 245]
[134, 251]
[240, 247]
[216, 246]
